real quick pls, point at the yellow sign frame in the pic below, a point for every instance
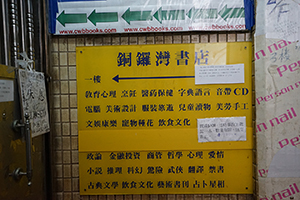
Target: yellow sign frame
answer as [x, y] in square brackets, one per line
[97, 68]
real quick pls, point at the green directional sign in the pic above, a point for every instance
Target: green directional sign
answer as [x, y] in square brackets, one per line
[202, 13]
[103, 17]
[169, 15]
[129, 16]
[231, 12]
[71, 18]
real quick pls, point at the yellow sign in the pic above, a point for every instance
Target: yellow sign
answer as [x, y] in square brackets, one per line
[162, 172]
[144, 98]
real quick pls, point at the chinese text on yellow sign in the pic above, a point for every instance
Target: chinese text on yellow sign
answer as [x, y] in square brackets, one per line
[142, 100]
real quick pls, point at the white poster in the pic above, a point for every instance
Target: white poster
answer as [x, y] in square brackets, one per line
[221, 129]
[219, 74]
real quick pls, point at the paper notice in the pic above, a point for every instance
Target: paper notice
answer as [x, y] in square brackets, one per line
[221, 129]
[219, 74]
[6, 90]
[34, 100]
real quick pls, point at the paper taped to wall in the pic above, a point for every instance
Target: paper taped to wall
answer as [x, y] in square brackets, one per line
[6, 90]
[219, 74]
[221, 129]
[34, 100]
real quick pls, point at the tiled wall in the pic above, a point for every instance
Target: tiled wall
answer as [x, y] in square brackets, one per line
[63, 101]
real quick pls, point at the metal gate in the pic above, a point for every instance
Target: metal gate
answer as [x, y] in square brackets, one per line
[24, 161]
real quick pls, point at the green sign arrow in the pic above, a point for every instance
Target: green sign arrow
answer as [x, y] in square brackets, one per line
[169, 15]
[71, 18]
[103, 17]
[231, 12]
[202, 13]
[129, 16]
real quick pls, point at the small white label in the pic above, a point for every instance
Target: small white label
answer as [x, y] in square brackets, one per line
[219, 74]
[6, 90]
[221, 129]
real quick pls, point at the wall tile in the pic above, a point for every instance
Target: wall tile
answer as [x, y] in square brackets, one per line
[54, 44]
[56, 115]
[56, 129]
[133, 40]
[98, 41]
[74, 143]
[150, 39]
[56, 101]
[159, 39]
[64, 87]
[75, 184]
[75, 157]
[54, 59]
[127, 197]
[80, 41]
[72, 58]
[63, 44]
[240, 37]
[71, 44]
[76, 196]
[75, 170]
[142, 40]
[64, 101]
[74, 129]
[215, 197]
[231, 37]
[67, 196]
[73, 113]
[213, 38]
[73, 86]
[124, 40]
[67, 184]
[63, 71]
[120, 197]
[115, 40]
[195, 38]
[55, 73]
[89, 41]
[204, 38]
[66, 143]
[65, 129]
[66, 157]
[248, 37]
[232, 197]
[55, 87]
[73, 101]
[198, 197]
[168, 39]
[222, 37]
[107, 40]
[176, 39]
[223, 196]
[65, 116]
[186, 38]
[63, 58]
[179, 197]
[67, 171]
